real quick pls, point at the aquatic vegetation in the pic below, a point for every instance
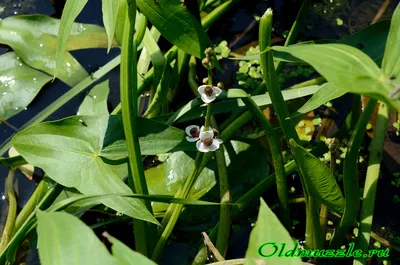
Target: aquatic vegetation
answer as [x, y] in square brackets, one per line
[185, 156]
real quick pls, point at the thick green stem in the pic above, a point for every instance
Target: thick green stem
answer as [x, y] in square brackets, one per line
[225, 209]
[350, 177]
[371, 182]
[12, 210]
[277, 159]
[29, 207]
[267, 64]
[128, 76]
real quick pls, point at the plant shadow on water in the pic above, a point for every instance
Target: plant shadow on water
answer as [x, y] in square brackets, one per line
[328, 20]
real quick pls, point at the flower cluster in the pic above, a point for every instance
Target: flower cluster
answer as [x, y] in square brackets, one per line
[206, 140]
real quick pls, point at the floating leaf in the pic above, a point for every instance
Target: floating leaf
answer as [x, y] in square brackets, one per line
[64, 239]
[34, 39]
[68, 151]
[267, 239]
[19, 85]
[176, 24]
[318, 178]
[95, 103]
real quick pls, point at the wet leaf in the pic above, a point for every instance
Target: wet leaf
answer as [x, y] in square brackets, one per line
[318, 178]
[19, 85]
[33, 38]
[176, 24]
[267, 237]
[68, 151]
[64, 239]
[154, 138]
[95, 103]
[125, 255]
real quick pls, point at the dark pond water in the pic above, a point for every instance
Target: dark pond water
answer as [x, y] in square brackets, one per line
[329, 19]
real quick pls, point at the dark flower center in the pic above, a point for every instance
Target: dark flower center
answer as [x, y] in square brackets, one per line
[208, 141]
[194, 132]
[208, 90]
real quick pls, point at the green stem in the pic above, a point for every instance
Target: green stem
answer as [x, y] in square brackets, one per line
[371, 182]
[225, 210]
[129, 107]
[172, 215]
[12, 210]
[192, 76]
[277, 159]
[29, 207]
[350, 177]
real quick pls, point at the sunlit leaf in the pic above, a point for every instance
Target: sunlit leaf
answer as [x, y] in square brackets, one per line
[157, 58]
[267, 238]
[345, 67]
[19, 85]
[95, 103]
[176, 24]
[391, 59]
[71, 10]
[318, 178]
[68, 151]
[64, 239]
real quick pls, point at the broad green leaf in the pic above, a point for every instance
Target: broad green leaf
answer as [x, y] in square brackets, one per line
[95, 103]
[318, 178]
[68, 151]
[110, 12]
[32, 39]
[267, 237]
[345, 67]
[176, 24]
[19, 85]
[64, 239]
[154, 138]
[391, 59]
[326, 93]
[125, 255]
[167, 177]
[71, 10]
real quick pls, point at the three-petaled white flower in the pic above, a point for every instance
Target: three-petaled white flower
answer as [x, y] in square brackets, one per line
[209, 93]
[206, 140]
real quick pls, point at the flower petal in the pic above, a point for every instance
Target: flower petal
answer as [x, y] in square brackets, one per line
[213, 147]
[209, 134]
[216, 142]
[216, 91]
[207, 99]
[201, 147]
[201, 89]
[191, 139]
[190, 127]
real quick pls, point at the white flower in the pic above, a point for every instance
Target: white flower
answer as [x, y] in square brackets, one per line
[209, 93]
[207, 141]
[193, 132]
